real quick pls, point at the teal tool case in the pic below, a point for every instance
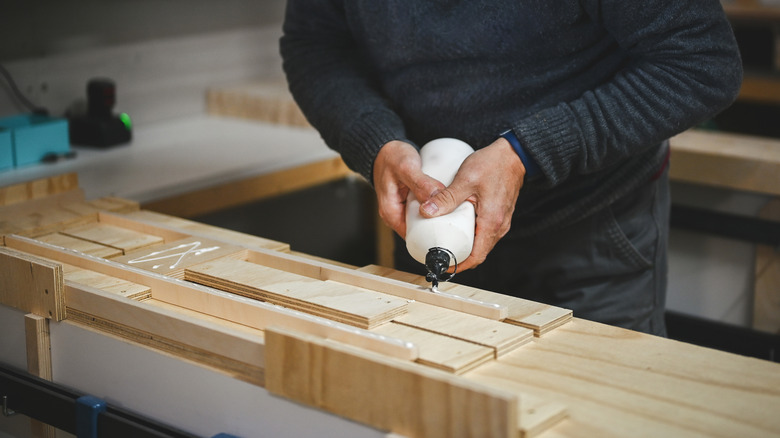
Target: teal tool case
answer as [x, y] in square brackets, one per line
[26, 139]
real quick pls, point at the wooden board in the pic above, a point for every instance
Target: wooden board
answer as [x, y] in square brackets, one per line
[85, 246]
[732, 161]
[397, 396]
[541, 318]
[439, 351]
[268, 101]
[37, 189]
[499, 336]
[351, 305]
[231, 307]
[173, 258]
[113, 236]
[766, 297]
[106, 283]
[38, 340]
[31, 284]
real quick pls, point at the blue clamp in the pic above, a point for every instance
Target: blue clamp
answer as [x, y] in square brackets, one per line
[87, 410]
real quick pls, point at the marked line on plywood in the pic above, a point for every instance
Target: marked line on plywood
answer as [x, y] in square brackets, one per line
[440, 351]
[499, 336]
[85, 246]
[349, 304]
[173, 258]
[113, 236]
[541, 318]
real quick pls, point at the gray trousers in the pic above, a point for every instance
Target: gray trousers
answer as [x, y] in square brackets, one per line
[610, 267]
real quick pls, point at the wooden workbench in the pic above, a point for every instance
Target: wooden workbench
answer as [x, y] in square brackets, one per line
[559, 377]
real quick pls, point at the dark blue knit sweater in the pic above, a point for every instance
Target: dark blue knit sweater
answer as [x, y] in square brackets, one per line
[591, 88]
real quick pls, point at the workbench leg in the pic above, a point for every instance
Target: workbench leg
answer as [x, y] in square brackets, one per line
[36, 330]
[766, 300]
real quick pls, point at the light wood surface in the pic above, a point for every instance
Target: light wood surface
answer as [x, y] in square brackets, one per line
[268, 101]
[37, 189]
[393, 395]
[81, 245]
[31, 284]
[115, 237]
[766, 296]
[730, 161]
[38, 340]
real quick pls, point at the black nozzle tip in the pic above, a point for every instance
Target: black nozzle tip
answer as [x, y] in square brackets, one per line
[437, 261]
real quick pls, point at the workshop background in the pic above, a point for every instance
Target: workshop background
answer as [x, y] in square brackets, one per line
[164, 56]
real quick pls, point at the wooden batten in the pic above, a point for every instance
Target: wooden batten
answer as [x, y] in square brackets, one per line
[31, 284]
[401, 397]
[209, 301]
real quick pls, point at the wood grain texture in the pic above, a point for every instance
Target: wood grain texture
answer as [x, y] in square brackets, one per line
[618, 383]
[252, 313]
[173, 258]
[37, 189]
[31, 284]
[85, 246]
[113, 236]
[38, 344]
[541, 318]
[397, 396]
[732, 161]
[499, 336]
[440, 351]
[340, 302]
[197, 229]
[106, 283]
[766, 286]
[268, 101]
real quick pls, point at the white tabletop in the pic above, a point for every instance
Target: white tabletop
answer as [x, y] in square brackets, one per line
[178, 156]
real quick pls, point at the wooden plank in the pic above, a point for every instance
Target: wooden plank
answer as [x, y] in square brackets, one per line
[355, 306]
[733, 161]
[106, 283]
[85, 246]
[168, 235]
[38, 340]
[113, 236]
[37, 189]
[321, 270]
[31, 284]
[188, 227]
[202, 341]
[500, 337]
[252, 189]
[268, 101]
[541, 318]
[766, 286]
[251, 313]
[173, 258]
[396, 396]
[440, 351]
[41, 220]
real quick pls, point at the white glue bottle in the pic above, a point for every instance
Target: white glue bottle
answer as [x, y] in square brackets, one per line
[441, 241]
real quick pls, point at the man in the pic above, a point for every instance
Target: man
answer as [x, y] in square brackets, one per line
[569, 104]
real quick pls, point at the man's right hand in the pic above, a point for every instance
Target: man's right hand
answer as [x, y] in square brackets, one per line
[397, 171]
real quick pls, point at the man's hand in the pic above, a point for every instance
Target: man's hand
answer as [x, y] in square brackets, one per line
[397, 171]
[491, 179]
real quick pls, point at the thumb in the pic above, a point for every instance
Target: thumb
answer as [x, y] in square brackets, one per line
[443, 202]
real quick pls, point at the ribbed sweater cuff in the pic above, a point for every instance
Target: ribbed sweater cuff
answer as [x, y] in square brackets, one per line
[552, 140]
[361, 142]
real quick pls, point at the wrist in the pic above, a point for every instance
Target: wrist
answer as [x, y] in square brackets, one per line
[531, 168]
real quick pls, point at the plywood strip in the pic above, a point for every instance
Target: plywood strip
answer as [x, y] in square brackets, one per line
[31, 284]
[188, 227]
[173, 258]
[107, 283]
[499, 336]
[238, 353]
[539, 317]
[766, 300]
[251, 313]
[325, 271]
[439, 351]
[113, 236]
[400, 397]
[82, 245]
[38, 340]
[344, 303]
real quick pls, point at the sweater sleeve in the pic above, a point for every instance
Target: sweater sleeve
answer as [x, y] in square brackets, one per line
[683, 66]
[330, 82]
